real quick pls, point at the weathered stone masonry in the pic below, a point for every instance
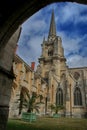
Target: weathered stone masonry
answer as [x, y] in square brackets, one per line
[11, 16]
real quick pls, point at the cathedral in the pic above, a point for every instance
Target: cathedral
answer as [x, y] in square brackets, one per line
[67, 86]
[53, 79]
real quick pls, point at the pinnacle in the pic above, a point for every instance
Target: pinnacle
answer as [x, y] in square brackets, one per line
[52, 30]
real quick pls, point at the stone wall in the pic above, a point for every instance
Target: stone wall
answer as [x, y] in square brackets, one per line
[6, 77]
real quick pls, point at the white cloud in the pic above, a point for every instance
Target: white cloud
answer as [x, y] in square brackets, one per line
[31, 51]
[72, 12]
[35, 46]
[77, 61]
[71, 45]
[37, 26]
[34, 26]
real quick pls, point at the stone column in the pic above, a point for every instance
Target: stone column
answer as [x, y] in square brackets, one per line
[5, 92]
[3, 117]
[6, 77]
[68, 113]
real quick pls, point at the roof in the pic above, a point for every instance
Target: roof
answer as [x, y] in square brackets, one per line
[18, 59]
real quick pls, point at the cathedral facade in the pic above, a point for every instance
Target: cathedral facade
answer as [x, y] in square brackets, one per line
[67, 86]
[53, 79]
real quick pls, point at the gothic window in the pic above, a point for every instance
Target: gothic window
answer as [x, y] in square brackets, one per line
[63, 76]
[77, 97]
[76, 75]
[26, 76]
[50, 52]
[46, 74]
[59, 97]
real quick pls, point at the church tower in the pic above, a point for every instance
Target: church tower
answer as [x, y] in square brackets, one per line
[65, 86]
[52, 58]
[52, 62]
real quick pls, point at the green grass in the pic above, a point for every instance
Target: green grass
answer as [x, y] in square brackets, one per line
[49, 124]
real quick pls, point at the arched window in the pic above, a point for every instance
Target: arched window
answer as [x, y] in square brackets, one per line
[63, 76]
[59, 97]
[46, 74]
[77, 96]
[50, 52]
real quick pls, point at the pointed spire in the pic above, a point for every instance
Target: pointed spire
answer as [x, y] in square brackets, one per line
[52, 30]
[43, 38]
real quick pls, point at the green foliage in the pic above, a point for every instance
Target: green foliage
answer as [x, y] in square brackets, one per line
[31, 103]
[23, 94]
[56, 108]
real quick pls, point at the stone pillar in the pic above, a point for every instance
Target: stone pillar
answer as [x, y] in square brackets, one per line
[4, 110]
[5, 92]
[6, 77]
[68, 112]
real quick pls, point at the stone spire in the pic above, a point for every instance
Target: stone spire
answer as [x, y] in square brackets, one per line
[52, 30]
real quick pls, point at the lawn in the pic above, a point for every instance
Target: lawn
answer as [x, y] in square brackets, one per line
[49, 124]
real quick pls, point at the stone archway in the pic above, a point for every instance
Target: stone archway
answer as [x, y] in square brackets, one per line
[15, 13]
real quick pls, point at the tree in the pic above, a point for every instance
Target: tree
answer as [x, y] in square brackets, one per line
[51, 107]
[31, 103]
[56, 108]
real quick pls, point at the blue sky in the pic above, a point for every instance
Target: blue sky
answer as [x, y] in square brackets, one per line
[71, 26]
